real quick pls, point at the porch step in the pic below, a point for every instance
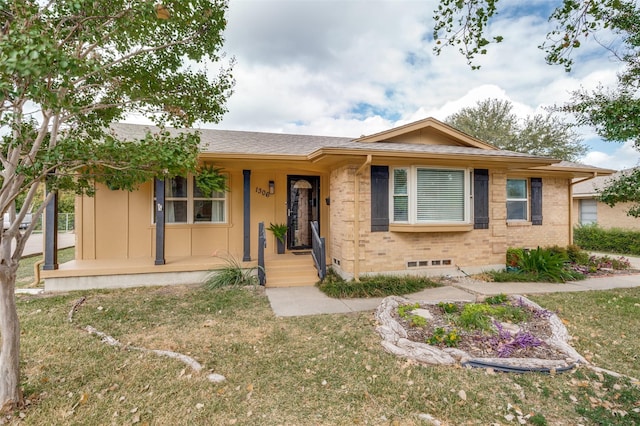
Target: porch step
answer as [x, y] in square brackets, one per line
[291, 271]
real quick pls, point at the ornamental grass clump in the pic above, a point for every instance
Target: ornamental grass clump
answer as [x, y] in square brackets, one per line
[231, 275]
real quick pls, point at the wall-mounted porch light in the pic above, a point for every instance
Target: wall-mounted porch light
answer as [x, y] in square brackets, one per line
[272, 187]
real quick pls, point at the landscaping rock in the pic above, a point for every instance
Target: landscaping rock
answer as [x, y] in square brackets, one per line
[394, 340]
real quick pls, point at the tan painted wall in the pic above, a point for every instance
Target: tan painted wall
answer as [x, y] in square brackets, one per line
[609, 217]
[119, 224]
[390, 251]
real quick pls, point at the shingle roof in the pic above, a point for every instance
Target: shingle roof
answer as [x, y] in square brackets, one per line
[234, 141]
[241, 142]
[591, 187]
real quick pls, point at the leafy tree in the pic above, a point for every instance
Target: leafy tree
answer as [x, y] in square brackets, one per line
[493, 120]
[613, 112]
[69, 68]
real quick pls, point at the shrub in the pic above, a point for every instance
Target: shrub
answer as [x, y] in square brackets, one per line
[577, 255]
[373, 286]
[514, 255]
[475, 316]
[548, 265]
[615, 240]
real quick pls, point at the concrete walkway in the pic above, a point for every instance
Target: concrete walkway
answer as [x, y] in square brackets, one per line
[35, 243]
[300, 301]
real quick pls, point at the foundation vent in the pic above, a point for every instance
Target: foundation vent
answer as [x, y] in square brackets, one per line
[427, 263]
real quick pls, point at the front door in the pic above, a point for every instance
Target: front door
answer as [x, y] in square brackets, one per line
[303, 207]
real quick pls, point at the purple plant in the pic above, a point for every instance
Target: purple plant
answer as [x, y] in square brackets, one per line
[502, 333]
[520, 341]
[505, 343]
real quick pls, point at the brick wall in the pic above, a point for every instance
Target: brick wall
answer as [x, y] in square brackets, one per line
[555, 223]
[610, 217]
[470, 250]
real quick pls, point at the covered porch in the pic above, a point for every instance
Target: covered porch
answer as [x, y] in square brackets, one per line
[284, 270]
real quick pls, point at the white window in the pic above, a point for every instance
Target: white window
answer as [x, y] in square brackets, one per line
[422, 195]
[588, 212]
[400, 202]
[517, 199]
[186, 203]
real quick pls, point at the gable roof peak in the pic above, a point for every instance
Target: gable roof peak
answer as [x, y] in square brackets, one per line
[429, 124]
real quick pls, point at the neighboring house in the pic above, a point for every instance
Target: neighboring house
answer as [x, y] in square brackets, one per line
[423, 198]
[587, 209]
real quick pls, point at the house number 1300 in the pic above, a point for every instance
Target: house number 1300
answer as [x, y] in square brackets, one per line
[262, 192]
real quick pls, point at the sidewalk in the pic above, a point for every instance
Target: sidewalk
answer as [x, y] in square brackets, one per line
[301, 301]
[35, 243]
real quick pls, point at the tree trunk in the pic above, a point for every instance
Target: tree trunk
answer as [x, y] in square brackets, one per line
[10, 395]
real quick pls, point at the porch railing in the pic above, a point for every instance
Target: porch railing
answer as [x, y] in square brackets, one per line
[262, 243]
[318, 251]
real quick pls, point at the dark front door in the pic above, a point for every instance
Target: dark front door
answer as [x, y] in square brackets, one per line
[303, 207]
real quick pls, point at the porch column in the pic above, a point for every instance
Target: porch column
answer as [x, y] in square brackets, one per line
[160, 220]
[246, 257]
[51, 234]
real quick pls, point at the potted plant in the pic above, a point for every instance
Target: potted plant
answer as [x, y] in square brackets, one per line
[279, 231]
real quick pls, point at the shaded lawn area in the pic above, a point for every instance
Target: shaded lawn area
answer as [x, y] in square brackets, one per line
[315, 370]
[25, 275]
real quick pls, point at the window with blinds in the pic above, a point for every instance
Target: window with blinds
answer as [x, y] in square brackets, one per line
[588, 212]
[517, 199]
[400, 195]
[430, 195]
[440, 195]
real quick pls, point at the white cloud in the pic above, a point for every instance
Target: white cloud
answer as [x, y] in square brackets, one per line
[624, 156]
[348, 68]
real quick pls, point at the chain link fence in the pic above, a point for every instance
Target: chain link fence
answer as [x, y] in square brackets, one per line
[66, 222]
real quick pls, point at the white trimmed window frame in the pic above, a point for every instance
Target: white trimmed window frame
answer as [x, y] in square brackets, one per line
[412, 195]
[191, 200]
[519, 200]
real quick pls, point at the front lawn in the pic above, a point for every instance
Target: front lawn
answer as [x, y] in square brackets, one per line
[25, 275]
[315, 370]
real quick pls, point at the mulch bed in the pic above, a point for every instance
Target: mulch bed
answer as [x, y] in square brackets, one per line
[477, 343]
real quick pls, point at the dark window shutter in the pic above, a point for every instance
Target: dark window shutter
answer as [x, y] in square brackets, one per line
[536, 201]
[379, 198]
[481, 199]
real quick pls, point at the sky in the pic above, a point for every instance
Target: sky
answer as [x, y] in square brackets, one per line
[356, 67]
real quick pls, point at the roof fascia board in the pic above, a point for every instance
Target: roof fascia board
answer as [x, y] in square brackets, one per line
[424, 124]
[510, 162]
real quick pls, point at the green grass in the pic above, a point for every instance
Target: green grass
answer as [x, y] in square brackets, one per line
[373, 286]
[25, 276]
[315, 370]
